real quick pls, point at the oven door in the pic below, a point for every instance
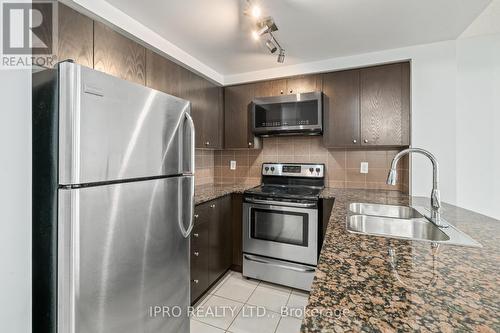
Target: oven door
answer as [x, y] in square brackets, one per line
[282, 232]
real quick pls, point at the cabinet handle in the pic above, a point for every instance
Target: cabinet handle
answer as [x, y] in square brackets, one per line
[212, 206]
[196, 216]
[281, 92]
[196, 254]
[291, 91]
[207, 143]
[196, 281]
[196, 235]
[249, 144]
[354, 141]
[366, 141]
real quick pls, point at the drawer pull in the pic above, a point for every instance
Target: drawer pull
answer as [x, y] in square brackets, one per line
[196, 281]
[196, 216]
[196, 235]
[196, 254]
[212, 206]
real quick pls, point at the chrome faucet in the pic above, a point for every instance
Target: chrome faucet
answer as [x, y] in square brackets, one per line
[435, 196]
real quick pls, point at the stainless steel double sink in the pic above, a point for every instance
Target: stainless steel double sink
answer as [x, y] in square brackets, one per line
[402, 222]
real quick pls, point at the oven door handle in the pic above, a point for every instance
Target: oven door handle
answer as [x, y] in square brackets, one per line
[262, 261]
[279, 203]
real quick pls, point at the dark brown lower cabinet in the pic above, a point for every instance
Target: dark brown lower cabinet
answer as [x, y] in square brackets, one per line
[220, 239]
[211, 244]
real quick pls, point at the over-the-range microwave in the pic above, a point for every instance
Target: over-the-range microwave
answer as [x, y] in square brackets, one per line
[297, 114]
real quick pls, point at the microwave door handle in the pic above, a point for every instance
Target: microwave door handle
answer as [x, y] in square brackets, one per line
[278, 203]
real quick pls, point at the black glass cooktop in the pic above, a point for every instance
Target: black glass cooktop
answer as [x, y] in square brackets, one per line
[295, 192]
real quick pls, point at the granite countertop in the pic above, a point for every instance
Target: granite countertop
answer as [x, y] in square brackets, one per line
[204, 193]
[447, 289]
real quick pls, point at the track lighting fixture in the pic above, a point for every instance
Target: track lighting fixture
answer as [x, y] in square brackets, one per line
[266, 26]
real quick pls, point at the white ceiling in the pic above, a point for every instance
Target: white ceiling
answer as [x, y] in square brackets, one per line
[217, 33]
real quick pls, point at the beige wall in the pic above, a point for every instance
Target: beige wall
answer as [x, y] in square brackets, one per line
[342, 165]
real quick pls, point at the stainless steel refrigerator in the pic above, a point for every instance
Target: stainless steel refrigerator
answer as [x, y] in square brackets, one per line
[113, 196]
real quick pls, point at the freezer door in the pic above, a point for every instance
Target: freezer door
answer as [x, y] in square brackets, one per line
[112, 129]
[121, 253]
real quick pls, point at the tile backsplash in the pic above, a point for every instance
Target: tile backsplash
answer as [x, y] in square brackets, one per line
[342, 165]
[204, 162]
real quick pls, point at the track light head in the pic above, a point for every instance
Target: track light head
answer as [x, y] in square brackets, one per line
[281, 56]
[271, 46]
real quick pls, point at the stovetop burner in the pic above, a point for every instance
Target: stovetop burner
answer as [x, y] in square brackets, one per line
[285, 191]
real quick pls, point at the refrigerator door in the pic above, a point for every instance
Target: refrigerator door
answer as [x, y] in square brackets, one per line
[121, 255]
[111, 129]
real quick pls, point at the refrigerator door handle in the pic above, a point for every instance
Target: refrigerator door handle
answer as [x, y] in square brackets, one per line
[189, 177]
[189, 198]
[191, 166]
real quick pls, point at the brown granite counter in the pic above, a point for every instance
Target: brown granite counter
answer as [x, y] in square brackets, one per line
[448, 289]
[204, 193]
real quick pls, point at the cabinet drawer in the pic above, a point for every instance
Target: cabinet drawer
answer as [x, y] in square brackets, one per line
[199, 237]
[203, 212]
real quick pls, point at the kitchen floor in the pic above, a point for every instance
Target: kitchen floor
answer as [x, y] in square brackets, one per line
[239, 305]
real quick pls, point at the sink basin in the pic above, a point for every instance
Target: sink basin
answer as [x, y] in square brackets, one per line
[414, 228]
[402, 222]
[400, 212]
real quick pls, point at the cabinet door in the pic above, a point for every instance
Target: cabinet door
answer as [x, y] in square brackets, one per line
[212, 117]
[341, 108]
[198, 107]
[237, 132]
[117, 55]
[162, 74]
[303, 83]
[220, 245]
[76, 37]
[384, 118]
[270, 88]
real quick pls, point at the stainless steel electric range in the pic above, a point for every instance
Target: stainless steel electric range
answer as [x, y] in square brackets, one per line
[281, 228]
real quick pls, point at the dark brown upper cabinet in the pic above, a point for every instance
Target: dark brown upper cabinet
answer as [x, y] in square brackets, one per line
[292, 85]
[213, 117]
[384, 103]
[117, 55]
[367, 107]
[341, 109]
[75, 37]
[303, 84]
[237, 129]
[206, 111]
[270, 88]
[206, 102]
[162, 74]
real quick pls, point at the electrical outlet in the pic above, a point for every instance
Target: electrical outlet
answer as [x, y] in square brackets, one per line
[364, 167]
[232, 165]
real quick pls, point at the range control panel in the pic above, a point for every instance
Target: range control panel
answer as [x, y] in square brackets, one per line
[293, 170]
